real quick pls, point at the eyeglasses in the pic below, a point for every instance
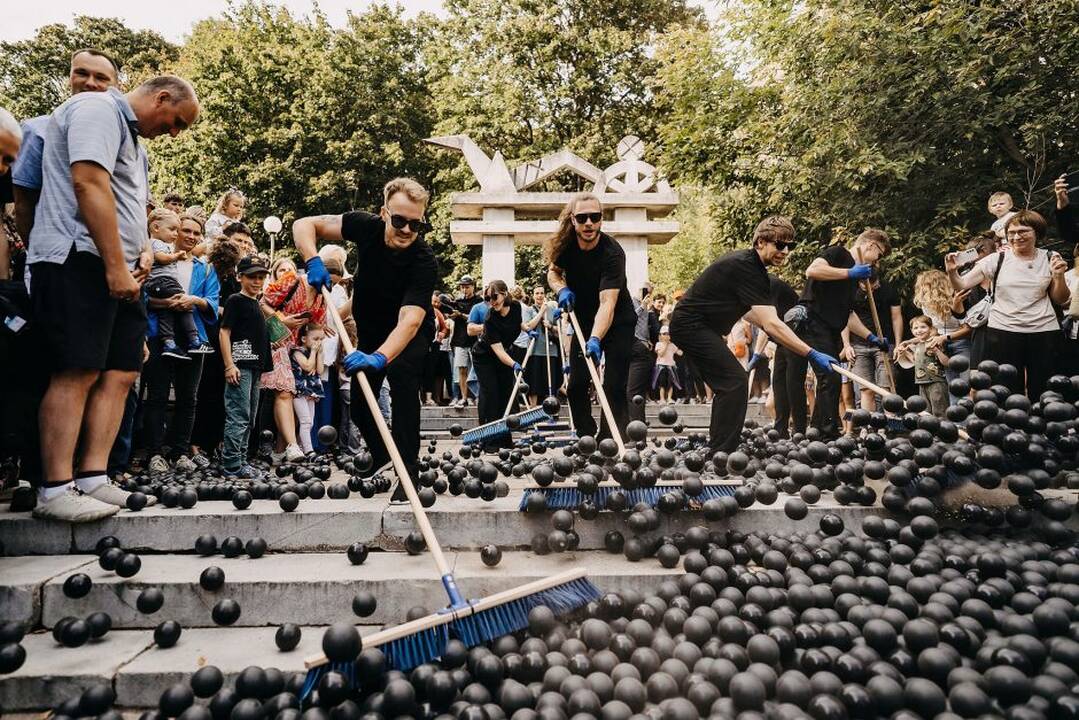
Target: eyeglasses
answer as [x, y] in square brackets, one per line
[417, 226]
[583, 218]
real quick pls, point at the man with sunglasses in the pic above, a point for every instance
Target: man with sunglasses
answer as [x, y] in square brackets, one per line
[587, 271]
[825, 311]
[396, 272]
[736, 286]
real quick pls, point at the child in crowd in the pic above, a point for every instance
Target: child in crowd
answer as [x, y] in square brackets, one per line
[929, 363]
[164, 283]
[1000, 205]
[665, 374]
[307, 366]
[245, 352]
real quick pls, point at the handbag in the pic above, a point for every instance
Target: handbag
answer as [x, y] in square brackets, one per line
[978, 314]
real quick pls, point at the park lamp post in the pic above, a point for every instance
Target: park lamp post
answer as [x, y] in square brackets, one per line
[272, 225]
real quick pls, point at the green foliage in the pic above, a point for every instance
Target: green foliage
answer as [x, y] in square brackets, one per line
[34, 72]
[853, 113]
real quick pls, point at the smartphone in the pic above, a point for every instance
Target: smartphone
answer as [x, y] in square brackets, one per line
[966, 257]
[306, 314]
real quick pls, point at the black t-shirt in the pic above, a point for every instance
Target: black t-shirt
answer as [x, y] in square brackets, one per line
[590, 272]
[386, 280]
[249, 340]
[885, 298]
[499, 329]
[782, 295]
[831, 301]
[725, 291]
[7, 190]
[460, 337]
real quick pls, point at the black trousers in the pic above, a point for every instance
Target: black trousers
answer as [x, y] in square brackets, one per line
[780, 392]
[641, 362]
[496, 384]
[171, 322]
[1034, 355]
[209, 425]
[826, 409]
[720, 370]
[405, 374]
[617, 348]
[159, 375]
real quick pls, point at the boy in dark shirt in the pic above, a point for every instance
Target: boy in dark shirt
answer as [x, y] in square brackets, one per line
[245, 352]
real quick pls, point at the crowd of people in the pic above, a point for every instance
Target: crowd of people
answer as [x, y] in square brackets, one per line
[116, 304]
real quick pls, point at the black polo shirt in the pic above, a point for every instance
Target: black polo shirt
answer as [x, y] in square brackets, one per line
[386, 280]
[590, 272]
[885, 297]
[831, 301]
[499, 329]
[725, 291]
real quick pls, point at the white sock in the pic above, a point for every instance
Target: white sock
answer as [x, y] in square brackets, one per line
[91, 483]
[45, 494]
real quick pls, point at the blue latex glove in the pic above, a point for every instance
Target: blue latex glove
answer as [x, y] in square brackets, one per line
[566, 298]
[357, 361]
[860, 272]
[318, 276]
[753, 360]
[517, 367]
[881, 343]
[821, 362]
[556, 314]
[534, 334]
[593, 349]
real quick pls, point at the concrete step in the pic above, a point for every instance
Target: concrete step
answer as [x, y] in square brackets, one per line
[317, 589]
[693, 416]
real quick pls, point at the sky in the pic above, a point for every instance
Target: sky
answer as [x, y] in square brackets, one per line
[172, 18]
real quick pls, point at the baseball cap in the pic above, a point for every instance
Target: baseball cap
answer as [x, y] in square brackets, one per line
[251, 265]
[466, 280]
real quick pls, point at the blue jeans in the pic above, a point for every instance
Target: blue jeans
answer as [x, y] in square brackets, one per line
[241, 405]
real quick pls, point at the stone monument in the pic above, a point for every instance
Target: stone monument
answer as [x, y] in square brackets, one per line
[505, 212]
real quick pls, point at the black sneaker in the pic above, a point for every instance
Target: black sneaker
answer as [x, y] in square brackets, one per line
[172, 350]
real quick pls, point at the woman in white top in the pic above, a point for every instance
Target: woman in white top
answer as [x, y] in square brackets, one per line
[1023, 329]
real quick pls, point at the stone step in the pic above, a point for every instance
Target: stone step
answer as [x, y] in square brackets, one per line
[692, 416]
[317, 589]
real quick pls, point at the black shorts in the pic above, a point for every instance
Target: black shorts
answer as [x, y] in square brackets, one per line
[84, 328]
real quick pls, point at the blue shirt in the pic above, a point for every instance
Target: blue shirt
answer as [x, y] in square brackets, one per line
[478, 314]
[98, 128]
[26, 172]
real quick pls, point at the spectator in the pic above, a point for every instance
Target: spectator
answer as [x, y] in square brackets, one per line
[642, 357]
[295, 303]
[175, 202]
[1068, 225]
[89, 232]
[665, 375]
[520, 344]
[245, 350]
[929, 363]
[200, 293]
[432, 377]
[209, 425]
[240, 234]
[935, 299]
[461, 340]
[307, 367]
[1000, 206]
[230, 208]
[325, 405]
[91, 71]
[171, 262]
[1023, 329]
[544, 371]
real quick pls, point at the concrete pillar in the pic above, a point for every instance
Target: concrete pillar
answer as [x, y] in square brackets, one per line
[498, 250]
[636, 249]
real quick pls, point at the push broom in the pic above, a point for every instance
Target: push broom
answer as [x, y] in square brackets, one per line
[473, 622]
[883, 393]
[501, 427]
[604, 405]
[546, 432]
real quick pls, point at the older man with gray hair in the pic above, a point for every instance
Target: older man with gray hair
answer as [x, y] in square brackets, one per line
[88, 258]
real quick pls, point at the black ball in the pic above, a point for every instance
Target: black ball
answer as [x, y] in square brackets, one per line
[225, 612]
[232, 546]
[176, 699]
[136, 501]
[287, 637]
[75, 634]
[491, 555]
[167, 633]
[414, 543]
[364, 604]
[341, 642]
[150, 600]
[78, 585]
[212, 579]
[357, 553]
[129, 565]
[327, 435]
[206, 545]
[241, 499]
[110, 558]
[289, 501]
[12, 656]
[255, 548]
[100, 623]
[206, 681]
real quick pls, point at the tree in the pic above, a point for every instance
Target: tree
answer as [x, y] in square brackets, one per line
[34, 72]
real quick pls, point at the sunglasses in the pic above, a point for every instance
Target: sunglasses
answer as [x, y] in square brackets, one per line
[493, 296]
[583, 218]
[782, 245]
[417, 226]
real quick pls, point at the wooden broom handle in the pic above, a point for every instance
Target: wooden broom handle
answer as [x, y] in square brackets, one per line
[880, 333]
[882, 392]
[519, 376]
[599, 386]
[399, 466]
[563, 355]
[547, 353]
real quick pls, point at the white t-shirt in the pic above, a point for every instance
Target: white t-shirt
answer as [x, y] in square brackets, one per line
[1021, 301]
[184, 268]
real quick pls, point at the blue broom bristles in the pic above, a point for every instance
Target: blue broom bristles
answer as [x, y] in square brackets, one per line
[569, 498]
[500, 428]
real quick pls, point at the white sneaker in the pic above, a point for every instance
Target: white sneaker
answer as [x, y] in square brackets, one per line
[277, 457]
[158, 464]
[74, 507]
[293, 453]
[109, 493]
[185, 465]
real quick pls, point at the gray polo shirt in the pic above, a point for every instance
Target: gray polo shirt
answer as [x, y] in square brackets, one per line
[99, 128]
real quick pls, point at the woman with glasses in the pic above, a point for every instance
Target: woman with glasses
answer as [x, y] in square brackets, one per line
[587, 271]
[496, 369]
[736, 286]
[1026, 282]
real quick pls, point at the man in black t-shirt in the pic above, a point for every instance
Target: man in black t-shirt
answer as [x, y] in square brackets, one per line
[395, 274]
[734, 286]
[828, 302]
[587, 270]
[461, 341]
